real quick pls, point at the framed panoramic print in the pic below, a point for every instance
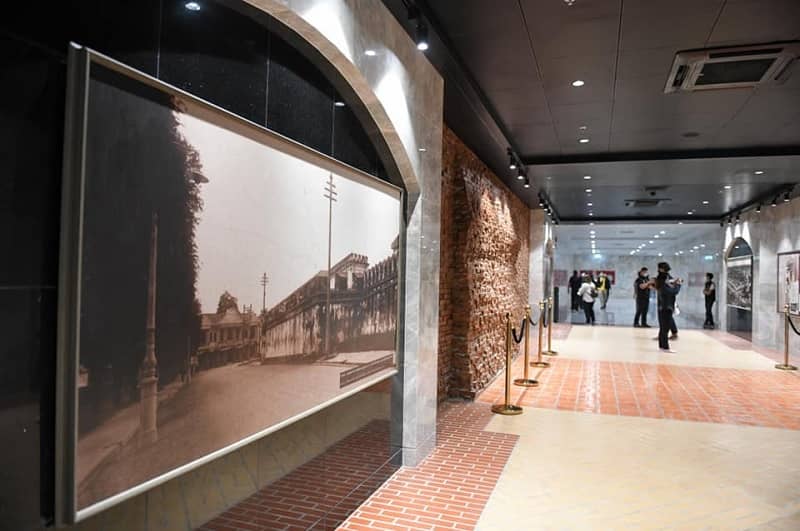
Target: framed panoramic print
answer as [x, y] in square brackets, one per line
[789, 282]
[218, 282]
[739, 287]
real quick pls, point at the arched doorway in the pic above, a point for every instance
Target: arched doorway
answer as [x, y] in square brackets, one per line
[739, 288]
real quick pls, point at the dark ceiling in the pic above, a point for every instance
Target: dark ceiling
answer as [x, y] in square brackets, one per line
[509, 67]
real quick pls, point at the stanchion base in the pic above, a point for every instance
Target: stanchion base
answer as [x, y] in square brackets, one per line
[785, 367]
[506, 409]
[550, 353]
[542, 364]
[526, 382]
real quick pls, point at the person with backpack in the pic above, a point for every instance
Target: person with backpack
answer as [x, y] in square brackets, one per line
[667, 289]
[588, 294]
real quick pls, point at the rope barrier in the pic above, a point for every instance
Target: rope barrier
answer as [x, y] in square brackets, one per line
[518, 339]
[791, 323]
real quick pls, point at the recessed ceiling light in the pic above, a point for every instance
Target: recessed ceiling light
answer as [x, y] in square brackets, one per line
[660, 254]
[690, 213]
[339, 103]
[578, 83]
[588, 204]
[663, 232]
[705, 202]
[583, 140]
[587, 177]
[582, 128]
[650, 241]
[680, 223]
[727, 186]
[592, 236]
[588, 190]
[422, 150]
[370, 53]
[591, 213]
[192, 6]
[702, 245]
[591, 232]
[759, 172]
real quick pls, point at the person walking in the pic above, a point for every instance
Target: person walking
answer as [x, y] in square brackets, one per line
[641, 293]
[574, 286]
[603, 289]
[667, 289]
[588, 293]
[710, 292]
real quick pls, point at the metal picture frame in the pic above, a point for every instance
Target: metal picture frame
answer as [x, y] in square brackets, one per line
[794, 306]
[79, 66]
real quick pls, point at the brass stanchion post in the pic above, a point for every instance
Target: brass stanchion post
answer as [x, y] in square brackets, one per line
[785, 366]
[507, 408]
[526, 381]
[539, 362]
[550, 314]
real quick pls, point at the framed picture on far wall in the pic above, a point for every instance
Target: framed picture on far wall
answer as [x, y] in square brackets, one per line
[740, 283]
[789, 282]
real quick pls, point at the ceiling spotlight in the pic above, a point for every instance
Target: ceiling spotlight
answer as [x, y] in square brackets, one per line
[738, 218]
[721, 223]
[582, 128]
[660, 254]
[578, 83]
[663, 232]
[583, 140]
[588, 204]
[422, 150]
[527, 183]
[591, 213]
[680, 223]
[786, 197]
[587, 177]
[705, 202]
[192, 6]
[656, 236]
[588, 190]
[758, 209]
[370, 53]
[521, 174]
[774, 202]
[730, 220]
[512, 160]
[759, 172]
[727, 186]
[422, 36]
[649, 241]
[591, 224]
[338, 104]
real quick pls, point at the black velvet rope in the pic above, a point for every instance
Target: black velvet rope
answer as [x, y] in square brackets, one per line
[791, 323]
[531, 321]
[518, 339]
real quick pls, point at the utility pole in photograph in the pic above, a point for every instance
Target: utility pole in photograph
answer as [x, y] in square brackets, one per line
[264, 282]
[330, 195]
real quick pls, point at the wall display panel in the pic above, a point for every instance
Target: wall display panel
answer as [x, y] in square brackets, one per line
[219, 282]
[789, 282]
[740, 283]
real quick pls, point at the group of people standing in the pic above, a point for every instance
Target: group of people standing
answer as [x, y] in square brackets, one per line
[585, 290]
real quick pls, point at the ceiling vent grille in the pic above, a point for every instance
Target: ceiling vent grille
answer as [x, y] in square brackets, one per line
[741, 66]
[644, 203]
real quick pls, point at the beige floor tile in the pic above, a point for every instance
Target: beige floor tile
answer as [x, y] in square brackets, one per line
[583, 471]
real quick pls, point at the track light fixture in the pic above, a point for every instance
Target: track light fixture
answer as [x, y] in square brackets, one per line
[722, 223]
[787, 197]
[512, 159]
[527, 183]
[774, 202]
[421, 35]
[758, 209]
[730, 220]
[738, 218]
[521, 174]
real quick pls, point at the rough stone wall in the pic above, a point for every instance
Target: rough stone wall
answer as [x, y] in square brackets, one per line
[484, 270]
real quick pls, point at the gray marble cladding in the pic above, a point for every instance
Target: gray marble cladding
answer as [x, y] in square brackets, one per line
[774, 230]
[538, 239]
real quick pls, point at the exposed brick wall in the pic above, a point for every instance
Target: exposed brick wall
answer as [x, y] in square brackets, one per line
[484, 269]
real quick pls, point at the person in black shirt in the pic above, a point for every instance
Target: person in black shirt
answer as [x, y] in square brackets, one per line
[710, 292]
[641, 293]
[667, 289]
[574, 286]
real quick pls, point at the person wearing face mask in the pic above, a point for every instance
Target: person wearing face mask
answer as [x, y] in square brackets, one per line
[641, 294]
[667, 289]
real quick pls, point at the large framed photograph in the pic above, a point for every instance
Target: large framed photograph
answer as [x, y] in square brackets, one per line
[739, 287]
[218, 282]
[789, 282]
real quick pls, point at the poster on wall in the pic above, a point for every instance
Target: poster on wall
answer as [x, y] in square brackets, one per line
[228, 282]
[789, 282]
[740, 283]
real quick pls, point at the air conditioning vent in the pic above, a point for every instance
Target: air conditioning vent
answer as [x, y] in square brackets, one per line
[741, 66]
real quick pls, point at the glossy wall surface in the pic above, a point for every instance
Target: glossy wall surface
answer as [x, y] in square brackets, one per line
[215, 53]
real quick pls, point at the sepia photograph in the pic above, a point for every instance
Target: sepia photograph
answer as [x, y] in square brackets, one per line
[740, 283]
[226, 285]
[789, 282]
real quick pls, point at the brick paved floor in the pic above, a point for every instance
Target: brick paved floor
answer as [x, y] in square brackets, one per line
[735, 396]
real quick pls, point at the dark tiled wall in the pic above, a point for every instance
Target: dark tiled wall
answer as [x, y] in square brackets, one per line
[216, 53]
